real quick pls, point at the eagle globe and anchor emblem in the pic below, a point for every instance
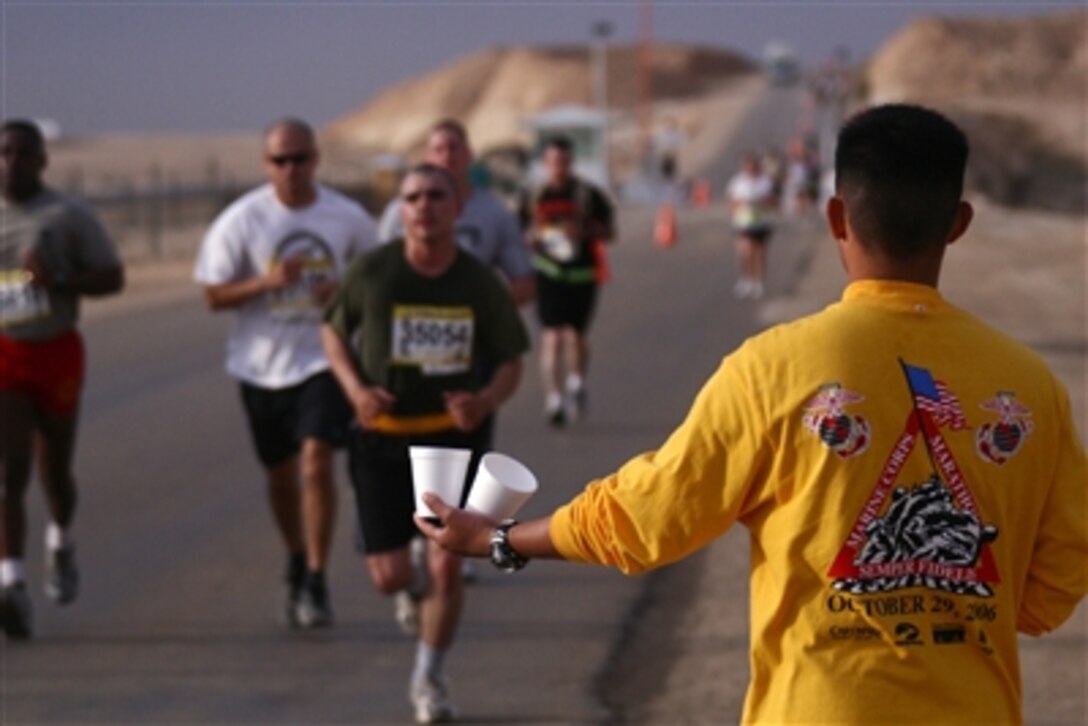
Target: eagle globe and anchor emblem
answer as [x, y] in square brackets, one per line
[844, 434]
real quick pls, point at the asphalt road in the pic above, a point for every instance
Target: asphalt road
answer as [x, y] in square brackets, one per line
[178, 620]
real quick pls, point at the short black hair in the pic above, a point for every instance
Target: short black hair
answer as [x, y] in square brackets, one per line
[900, 168]
[425, 168]
[24, 126]
[560, 142]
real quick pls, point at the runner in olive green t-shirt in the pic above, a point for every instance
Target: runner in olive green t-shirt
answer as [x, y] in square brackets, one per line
[422, 312]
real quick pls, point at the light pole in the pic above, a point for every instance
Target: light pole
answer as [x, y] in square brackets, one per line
[602, 30]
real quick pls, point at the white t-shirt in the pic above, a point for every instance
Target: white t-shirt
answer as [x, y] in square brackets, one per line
[276, 339]
[751, 195]
[485, 228]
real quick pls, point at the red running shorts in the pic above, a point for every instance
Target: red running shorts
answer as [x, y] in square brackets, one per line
[49, 371]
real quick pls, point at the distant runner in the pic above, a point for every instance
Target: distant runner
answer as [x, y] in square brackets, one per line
[567, 219]
[751, 199]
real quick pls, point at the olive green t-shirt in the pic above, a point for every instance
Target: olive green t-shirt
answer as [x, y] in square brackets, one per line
[417, 336]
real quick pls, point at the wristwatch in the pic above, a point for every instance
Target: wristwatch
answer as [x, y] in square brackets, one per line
[503, 556]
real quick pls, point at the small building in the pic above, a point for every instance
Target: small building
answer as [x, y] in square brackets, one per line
[586, 128]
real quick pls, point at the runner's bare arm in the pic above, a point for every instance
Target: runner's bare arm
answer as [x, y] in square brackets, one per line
[467, 533]
[523, 290]
[366, 402]
[469, 409]
[227, 295]
[94, 282]
[102, 281]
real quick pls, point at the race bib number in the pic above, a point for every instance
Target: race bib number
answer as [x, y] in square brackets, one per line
[557, 244]
[437, 340]
[20, 301]
[746, 216]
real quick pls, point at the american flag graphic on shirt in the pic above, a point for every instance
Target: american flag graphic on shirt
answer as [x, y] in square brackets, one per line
[935, 398]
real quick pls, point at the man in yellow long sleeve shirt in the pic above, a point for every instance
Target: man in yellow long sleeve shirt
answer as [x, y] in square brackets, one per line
[911, 478]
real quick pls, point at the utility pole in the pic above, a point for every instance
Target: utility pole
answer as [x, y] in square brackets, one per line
[646, 30]
[602, 30]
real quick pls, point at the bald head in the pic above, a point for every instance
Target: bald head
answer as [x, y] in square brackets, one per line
[290, 160]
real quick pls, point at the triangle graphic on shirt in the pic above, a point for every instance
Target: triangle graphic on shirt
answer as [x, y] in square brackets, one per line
[928, 534]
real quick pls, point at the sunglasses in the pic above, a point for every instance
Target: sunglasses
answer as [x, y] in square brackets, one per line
[433, 195]
[298, 159]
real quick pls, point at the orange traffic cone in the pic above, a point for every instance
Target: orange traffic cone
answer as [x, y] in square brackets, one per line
[700, 193]
[665, 227]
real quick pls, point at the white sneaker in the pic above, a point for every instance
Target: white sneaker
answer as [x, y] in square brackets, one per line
[406, 612]
[742, 288]
[430, 698]
[553, 410]
[406, 602]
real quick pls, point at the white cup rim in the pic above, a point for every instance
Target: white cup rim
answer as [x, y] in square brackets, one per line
[512, 473]
[437, 452]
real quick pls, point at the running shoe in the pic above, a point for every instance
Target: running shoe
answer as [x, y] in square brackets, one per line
[61, 575]
[406, 612]
[314, 610]
[430, 697]
[742, 289]
[553, 411]
[16, 613]
[578, 403]
[406, 602]
[296, 579]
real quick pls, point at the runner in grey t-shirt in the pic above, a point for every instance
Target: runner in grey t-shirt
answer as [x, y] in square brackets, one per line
[52, 252]
[485, 227]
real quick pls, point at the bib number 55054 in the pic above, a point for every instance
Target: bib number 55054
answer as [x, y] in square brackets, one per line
[437, 340]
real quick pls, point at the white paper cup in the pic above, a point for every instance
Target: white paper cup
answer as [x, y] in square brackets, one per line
[501, 486]
[440, 470]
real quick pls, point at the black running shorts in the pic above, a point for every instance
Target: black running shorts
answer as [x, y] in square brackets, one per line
[562, 305]
[381, 475]
[279, 419]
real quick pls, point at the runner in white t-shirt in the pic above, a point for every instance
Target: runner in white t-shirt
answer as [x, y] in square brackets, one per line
[274, 257]
[751, 198]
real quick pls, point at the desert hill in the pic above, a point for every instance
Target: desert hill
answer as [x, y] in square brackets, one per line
[494, 90]
[1018, 85]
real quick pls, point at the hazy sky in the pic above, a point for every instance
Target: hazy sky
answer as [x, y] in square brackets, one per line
[97, 66]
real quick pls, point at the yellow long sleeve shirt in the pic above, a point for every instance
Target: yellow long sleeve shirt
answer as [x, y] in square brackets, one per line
[915, 493]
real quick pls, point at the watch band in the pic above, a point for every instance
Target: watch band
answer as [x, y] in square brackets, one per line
[503, 555]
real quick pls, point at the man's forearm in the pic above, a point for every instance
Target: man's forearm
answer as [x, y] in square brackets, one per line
[340, 360]
[533, 539]
[503, 384]
[95, 282]
[523, 290]
[232, 294]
